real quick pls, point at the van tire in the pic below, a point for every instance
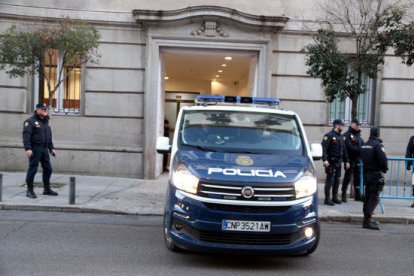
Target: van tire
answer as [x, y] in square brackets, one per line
[169, 243]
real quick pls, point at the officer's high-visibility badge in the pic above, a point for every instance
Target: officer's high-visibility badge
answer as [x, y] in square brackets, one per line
[26, 124]
[344, 138]
[334, 138]
[37, 124]
[325, 138]
[383, 149]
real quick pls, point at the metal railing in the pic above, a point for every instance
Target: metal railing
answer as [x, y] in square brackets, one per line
[399, 182]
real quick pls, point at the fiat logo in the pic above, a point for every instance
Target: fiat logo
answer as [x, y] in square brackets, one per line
[247, 192]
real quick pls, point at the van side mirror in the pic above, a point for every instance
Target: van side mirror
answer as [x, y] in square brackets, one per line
[316, 151]
[163, 145]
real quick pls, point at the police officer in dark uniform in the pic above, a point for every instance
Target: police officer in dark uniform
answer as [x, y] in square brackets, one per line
[375, 164]
[353, 144]
[165, 156]
[333, 153]
[37, 141]
[410, 154]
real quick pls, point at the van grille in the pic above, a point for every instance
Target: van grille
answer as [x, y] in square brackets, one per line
[277, 192]
[246, 238]
[246, 209]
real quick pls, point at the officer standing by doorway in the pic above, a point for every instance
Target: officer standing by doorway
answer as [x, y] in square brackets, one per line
[333, 153]
[353, 144]
[165, 155]
[410, 154]
[37, 141]
[375, 164]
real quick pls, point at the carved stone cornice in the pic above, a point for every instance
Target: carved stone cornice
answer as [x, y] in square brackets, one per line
[202, 14]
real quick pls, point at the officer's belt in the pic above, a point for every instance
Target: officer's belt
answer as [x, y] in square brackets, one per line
[334, 159]
[372, 171]
[41, 145]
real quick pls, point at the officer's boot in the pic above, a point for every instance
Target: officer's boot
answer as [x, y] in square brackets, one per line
[335, 199]
[357, 196]
[373, 221]
[368, 224]
[30, 193]
[328, 201]
[344, 197]
[48, 191]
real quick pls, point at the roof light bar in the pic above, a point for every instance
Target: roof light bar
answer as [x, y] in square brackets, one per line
[209, 99]
[261, 100]
[206, 99]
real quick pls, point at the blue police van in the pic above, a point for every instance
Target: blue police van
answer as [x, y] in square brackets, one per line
[242, 179]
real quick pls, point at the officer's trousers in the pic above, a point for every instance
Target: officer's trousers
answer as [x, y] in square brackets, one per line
[333, 173]
[374, 184]
[354, 172]
[40, 154]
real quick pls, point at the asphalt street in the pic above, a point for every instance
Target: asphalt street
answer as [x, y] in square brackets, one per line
[47, 243]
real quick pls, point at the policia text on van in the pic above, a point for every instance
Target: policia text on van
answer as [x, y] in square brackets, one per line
[242, 179]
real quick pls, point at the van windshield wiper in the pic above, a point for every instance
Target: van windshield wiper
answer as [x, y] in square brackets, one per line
[200, 147]
[241, 151]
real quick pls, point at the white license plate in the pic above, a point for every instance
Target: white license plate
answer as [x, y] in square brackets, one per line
[243, 225]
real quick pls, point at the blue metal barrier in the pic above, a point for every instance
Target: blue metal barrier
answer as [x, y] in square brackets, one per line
[399, 183]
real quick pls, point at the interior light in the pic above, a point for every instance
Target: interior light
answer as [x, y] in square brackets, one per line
[228, 58]
[220, 71]
[217, 76]
[166, 78]
[223, 65]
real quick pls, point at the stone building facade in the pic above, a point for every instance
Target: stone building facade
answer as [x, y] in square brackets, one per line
[122, 98]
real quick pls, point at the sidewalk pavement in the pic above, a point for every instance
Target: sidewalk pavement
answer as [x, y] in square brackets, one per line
[112, 195]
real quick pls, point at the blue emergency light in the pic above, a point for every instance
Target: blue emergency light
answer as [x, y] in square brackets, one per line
[206, 99]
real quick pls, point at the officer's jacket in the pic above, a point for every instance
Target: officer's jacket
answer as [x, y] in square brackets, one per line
[353, 143]
[373, 156]
[333, 147]
[36, 131]
[410, 150]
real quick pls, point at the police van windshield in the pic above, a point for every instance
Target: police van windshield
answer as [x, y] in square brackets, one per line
[241, 132]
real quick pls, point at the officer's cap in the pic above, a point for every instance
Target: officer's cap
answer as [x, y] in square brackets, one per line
[338, 122]
[41, 106]
[374, 132]
[355, 121]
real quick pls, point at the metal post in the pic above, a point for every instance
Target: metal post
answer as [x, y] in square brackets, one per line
[1, 186]
[72, 187]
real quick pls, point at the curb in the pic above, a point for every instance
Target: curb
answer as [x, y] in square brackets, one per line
[359, 219]
[69, 209]
[79, 209]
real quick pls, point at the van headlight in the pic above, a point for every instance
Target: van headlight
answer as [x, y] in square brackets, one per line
[184, 180]
[306, 185]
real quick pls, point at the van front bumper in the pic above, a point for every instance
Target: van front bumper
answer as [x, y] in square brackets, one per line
[196, 225]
